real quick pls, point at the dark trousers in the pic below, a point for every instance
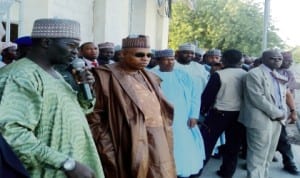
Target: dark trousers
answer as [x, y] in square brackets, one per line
[10, 165]
[216, 123]
[285, 148]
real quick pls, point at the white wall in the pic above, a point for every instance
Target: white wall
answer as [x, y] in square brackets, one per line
[33, 9]
[79, 10]
[101, 20]
[111, 20]
[162, 31]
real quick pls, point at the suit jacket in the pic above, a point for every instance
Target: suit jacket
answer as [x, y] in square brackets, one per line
[258, 108]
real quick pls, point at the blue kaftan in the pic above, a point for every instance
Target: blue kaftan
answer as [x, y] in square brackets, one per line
[189, 150]
[199, 77]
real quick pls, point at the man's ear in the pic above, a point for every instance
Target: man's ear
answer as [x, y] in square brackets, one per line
[46, 42]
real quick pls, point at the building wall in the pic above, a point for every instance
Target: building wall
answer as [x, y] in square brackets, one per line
[32, 9]
[111, 19]
[81, 11]
[101, 20]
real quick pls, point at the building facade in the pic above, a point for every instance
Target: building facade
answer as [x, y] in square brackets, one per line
[101, 20]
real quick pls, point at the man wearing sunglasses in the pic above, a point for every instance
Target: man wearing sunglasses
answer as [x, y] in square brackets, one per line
[263, 112]
[132, 121]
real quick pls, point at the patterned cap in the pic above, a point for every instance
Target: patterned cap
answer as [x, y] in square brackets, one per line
[136, 41]
[106, 45]
[187, 47]
[4, 45]
[164, 53]
[199, 51]
[56, 28]
[287, 55]
[214, 52]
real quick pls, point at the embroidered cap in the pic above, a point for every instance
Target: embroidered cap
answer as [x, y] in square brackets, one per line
[214, 52]
[199, 51]
[106, 45]
[56, 28]
[136, 41]
[187, 47]
[164, 53]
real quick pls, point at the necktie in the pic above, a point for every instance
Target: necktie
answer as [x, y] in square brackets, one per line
[94, 63]
[280, 78]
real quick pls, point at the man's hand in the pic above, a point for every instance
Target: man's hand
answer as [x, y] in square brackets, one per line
[282, 117]
[293, 117]
[85, 76]
[80, 171]
[192, 122]
[89, 78]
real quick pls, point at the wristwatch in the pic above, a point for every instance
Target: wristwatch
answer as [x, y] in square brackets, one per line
[69, 164]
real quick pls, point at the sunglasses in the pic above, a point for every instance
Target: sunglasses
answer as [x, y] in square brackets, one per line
[143, 54]
[276, 58]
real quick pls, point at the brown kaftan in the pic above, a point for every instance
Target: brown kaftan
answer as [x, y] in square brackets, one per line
[131, 125]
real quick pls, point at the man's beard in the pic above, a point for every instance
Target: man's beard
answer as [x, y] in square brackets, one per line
[184, 61]
[103, 58]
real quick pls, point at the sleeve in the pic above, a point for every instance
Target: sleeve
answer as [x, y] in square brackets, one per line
[197, 90]
[292, 84]
[255, 90]
[210, 93]
[86, 105]
[195, 99]
[20, 113]
[99, 124]
[190, 93]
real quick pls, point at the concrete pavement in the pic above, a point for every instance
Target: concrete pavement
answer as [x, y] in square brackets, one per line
[276, 170]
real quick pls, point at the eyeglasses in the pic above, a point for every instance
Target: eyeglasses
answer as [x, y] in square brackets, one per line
[143, 54]
[276, 58]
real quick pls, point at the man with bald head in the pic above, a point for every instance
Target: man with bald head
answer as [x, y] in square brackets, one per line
[263, 112]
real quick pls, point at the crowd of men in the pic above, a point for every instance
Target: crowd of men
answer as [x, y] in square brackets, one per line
[152, 114]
